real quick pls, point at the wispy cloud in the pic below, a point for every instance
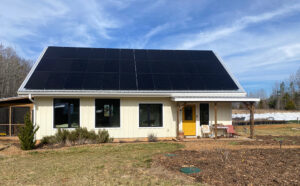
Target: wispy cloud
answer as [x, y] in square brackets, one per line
[205, 37]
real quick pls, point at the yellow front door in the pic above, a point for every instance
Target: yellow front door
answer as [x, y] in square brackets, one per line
[189, 120]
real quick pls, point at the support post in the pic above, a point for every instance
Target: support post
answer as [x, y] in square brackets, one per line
[216, 118]
[177, 124]
[251, 120]
[10, 120]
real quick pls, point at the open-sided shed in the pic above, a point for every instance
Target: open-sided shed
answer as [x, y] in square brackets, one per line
[12, 112]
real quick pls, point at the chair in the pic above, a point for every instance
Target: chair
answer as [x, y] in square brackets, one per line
[206, 131]
[230, 131]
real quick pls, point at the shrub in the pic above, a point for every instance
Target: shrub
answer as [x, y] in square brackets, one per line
[48, 140]
[152, 137]
[27, 134]
[61, 136]
[103, 137]
[77, 136]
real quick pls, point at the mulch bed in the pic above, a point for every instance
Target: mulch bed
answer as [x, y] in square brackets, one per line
[238, 167]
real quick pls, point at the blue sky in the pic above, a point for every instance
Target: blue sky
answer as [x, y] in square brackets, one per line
[259, 40]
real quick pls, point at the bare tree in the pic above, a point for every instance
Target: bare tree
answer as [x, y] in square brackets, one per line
[13, 70]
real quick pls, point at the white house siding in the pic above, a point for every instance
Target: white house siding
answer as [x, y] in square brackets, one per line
[129, 121]
[224, 113]
[129, 113]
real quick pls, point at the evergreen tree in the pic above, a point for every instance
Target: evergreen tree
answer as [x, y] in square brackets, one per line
[27, 134]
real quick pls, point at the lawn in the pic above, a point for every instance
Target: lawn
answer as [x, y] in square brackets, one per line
[113, 164]
[235, 161]
[274, 130]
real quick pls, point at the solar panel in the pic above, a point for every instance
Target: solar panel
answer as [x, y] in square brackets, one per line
[70, 68]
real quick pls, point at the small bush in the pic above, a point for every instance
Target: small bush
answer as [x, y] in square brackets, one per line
[77, 136]
[152, 137]
[103, 137]
[61, 136]
[48, 140]
[27, 134]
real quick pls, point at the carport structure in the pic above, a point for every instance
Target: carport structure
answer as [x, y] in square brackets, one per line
[214, 103]
[12, 112]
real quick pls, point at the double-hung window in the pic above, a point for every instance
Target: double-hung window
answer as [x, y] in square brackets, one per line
[150, 115]
[66, 113]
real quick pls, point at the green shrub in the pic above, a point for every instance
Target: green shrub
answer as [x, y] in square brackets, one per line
[103, 137]
[27, 134]
[77, 136]
[152, 137]
[62, 136]
[48, 140]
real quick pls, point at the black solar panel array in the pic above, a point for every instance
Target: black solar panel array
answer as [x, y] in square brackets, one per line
[67, 68]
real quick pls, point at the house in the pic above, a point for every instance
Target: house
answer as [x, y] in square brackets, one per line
[131, 92]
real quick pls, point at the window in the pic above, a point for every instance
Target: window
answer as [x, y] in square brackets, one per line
[188, 113]
[204, 114]
[107, 113]
[150, 115]
[66, 113]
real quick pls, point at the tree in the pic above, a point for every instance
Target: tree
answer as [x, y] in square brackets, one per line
[290, 105]
[27, 134]
[13, 70]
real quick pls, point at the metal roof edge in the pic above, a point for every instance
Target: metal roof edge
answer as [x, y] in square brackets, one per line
[32, 70]
[230, 74]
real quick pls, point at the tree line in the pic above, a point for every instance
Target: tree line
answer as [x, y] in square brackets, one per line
[13, 70]
[285, 94]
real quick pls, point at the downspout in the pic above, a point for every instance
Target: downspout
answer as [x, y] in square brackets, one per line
[34, 113]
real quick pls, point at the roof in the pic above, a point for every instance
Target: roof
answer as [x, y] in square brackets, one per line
[17, 99]
[67, 69]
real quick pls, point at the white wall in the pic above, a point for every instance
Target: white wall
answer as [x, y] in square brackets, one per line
[224, 113]
[129, 121]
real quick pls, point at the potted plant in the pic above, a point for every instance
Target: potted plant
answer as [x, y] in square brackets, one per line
[180, 134]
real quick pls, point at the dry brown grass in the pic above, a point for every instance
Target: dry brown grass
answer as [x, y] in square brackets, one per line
[110, 164]
[274, 130]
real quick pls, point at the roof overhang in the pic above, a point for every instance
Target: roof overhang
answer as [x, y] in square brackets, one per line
[13, 98]
[113, 93]
[215, 99]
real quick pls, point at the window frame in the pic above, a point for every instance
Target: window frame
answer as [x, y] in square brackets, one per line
[95, 115]
[54, 126]
[162, 114]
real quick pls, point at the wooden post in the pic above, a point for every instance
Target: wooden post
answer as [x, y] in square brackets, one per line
[177, 124]
[251, 108]
[10, 120]
[216, 118]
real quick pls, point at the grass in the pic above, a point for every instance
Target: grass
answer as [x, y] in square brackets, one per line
[112, 164]
[233, 143]
[274, 130]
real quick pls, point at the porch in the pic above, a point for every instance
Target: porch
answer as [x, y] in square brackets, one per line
[209, 117]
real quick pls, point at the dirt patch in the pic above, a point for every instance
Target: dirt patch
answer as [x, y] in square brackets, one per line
[238, 167]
